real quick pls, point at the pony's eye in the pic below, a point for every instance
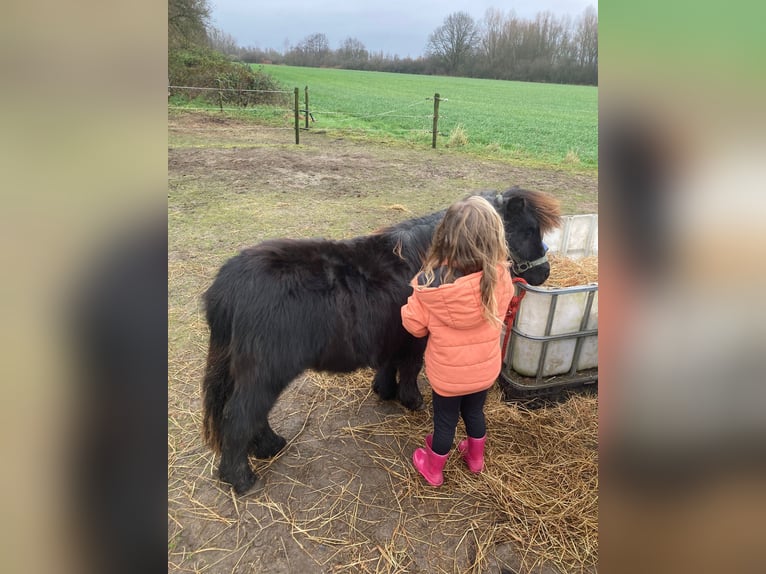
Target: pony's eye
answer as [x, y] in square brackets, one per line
[522, 232]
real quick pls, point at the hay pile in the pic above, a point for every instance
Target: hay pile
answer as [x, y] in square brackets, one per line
[567, 272]
[538, 492]
[534, 507]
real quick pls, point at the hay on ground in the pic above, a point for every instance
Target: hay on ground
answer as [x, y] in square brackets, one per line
[539, 489]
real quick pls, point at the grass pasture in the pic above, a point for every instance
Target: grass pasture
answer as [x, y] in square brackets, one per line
[535, 124]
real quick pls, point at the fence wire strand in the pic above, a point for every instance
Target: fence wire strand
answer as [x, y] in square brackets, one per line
[316, 113]
[378, 115]
[229, 90]
[238, 109]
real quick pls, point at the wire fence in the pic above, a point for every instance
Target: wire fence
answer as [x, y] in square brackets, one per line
[272, 106]
[389, 113]
[238, 90]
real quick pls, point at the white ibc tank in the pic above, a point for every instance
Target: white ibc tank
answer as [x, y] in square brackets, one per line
[561, 323]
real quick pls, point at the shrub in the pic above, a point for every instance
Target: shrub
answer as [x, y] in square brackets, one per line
[205, 68]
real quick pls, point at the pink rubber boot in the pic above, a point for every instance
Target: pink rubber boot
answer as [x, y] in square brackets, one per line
[429, 464]
[472, 450]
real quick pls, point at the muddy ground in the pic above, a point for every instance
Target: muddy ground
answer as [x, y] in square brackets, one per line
[342, 497]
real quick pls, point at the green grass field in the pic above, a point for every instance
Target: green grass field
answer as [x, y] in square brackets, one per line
[548, 125]
[541, 123]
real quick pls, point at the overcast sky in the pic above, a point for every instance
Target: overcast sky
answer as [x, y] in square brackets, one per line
[397, 27]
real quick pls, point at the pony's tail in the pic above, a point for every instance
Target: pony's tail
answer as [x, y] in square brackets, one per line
[216, 390]
[218, 383]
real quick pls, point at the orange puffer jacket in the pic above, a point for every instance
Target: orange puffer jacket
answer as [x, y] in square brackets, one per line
[463, 350]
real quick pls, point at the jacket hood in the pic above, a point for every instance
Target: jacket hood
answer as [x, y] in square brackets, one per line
[457, 304]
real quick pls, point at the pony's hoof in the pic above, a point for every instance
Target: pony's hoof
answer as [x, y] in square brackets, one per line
[269, 448]
[385, 391]
[415, 404]
[241, 481]
[254, 484]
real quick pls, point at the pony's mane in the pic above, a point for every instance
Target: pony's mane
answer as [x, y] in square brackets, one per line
[545, 207]
[412, 237]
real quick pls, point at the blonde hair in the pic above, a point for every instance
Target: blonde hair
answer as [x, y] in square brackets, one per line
[470, 238]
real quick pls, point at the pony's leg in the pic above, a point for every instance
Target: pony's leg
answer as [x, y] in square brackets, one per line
[384, 383]
[409, 394]
[237, 429]
[409, 368]
[266, 443]
[246, 427]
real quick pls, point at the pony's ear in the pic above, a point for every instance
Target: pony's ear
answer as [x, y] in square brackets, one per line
[515, 204]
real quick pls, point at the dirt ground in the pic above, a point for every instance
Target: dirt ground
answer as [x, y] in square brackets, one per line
[342, 496]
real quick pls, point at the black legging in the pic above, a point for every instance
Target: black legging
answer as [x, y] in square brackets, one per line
[446, 413]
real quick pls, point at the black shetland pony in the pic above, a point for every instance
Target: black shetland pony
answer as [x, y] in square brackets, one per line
[288, 305]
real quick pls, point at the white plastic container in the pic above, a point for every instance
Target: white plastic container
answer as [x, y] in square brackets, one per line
[555, 321]
[576, 238]
[556, 329]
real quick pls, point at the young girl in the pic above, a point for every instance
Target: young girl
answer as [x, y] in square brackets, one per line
[458, 300]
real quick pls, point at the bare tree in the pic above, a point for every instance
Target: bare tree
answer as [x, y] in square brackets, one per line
[352, 53]
[315, 49]
[454, 41]
[492, 37]
[587, 38]
[223, 42]
[187, 23]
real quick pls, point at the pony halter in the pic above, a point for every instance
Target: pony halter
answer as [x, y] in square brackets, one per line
[521, 267]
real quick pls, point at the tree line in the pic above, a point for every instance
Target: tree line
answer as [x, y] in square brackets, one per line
[501, 45]
[547, 48]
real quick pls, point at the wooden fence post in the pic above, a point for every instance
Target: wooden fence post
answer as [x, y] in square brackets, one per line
[306, 111]
[436, 120]
[297, 117]
[220, 95]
